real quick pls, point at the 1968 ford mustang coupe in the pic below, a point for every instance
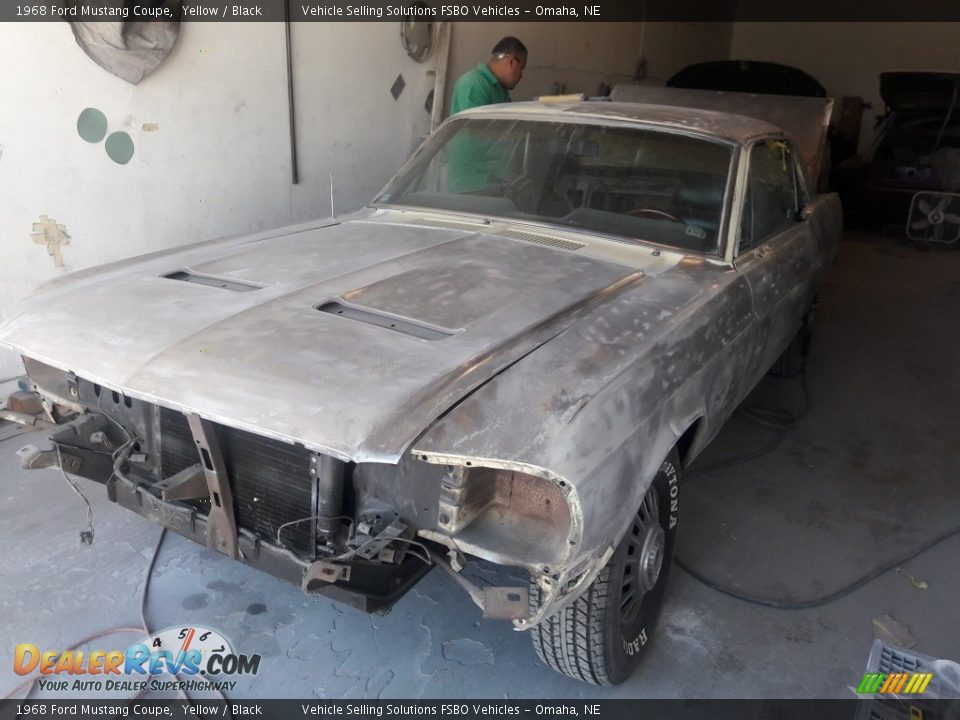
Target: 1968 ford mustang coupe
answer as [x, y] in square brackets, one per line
[509, 355]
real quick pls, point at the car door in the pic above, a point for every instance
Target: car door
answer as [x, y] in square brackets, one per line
[776, 250]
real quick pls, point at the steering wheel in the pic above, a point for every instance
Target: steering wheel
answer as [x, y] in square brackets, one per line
[652, 212]
[531, 196]
[509, 188]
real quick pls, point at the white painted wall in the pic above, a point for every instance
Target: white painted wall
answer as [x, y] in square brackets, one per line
[847, 58]
[219, 164]
[582, 55]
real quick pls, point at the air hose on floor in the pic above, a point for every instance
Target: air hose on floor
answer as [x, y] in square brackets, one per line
[782, 422]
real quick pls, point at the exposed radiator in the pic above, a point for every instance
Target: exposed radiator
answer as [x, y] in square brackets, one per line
[271, 480]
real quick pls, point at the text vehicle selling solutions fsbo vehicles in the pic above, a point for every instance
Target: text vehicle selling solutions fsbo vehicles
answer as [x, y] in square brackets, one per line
[509, 355]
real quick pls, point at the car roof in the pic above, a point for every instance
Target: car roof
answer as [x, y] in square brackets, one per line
[721, 125]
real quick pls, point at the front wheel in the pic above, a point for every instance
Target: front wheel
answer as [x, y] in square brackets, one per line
[792, 360]
[601, 636]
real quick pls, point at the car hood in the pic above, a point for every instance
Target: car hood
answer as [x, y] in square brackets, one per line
[919, 92]
[349, 338]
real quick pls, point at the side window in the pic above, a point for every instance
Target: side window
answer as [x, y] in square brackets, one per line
[772, 200]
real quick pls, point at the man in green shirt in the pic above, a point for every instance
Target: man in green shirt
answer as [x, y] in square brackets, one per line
[475, 163]
[491, 82]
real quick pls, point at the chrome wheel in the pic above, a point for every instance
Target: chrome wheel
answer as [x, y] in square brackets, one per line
[644, 560]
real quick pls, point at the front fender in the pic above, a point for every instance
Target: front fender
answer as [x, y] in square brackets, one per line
[602, 404]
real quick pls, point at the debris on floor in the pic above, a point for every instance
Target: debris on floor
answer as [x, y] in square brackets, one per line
[919, 584]
[889, 630]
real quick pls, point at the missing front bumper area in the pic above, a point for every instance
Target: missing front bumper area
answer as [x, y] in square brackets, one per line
[369, 568]
[362, 534]
[368, 587]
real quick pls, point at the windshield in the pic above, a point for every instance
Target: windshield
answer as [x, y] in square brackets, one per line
[640, 184]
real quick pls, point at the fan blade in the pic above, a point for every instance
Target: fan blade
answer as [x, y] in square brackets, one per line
[952, 219]
[920, 225]
[924, 206]
[943, 203]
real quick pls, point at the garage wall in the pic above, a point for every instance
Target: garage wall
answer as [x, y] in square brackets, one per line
[848, 58]
[582, 55]
[211, 139]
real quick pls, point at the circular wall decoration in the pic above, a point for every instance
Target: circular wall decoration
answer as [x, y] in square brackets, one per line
[119, 147]
[416, 33]
[92, 125]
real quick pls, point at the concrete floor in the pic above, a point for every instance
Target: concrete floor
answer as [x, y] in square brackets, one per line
[868, 474]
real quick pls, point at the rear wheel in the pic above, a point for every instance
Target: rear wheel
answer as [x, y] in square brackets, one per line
[601, 636]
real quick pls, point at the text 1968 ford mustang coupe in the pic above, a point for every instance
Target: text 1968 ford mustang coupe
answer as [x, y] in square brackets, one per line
[510, 355]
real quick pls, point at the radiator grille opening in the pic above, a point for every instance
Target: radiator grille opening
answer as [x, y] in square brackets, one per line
[270, 480]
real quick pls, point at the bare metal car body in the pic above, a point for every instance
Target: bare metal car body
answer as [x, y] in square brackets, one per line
[329, 401]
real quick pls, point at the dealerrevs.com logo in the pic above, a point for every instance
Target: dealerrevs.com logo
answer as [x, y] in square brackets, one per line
[198, 658]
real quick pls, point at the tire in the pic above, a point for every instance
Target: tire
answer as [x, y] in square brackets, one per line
[792, 360]
[601, 637]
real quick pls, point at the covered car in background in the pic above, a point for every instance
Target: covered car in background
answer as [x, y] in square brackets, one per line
[911, 179]
[740, 79]
[748, 76]
[510, 355]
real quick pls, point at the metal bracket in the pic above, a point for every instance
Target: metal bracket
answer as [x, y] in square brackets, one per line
[457, 561]
[497, 603]
[323, 571]
[73, 387]
[33, 458]
[221, 523]
[506, 603]
[371, 548]
[188, 484]
[48, 410]
[31, 421]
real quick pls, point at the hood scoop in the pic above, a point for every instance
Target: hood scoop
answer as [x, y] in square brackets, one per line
[211, 281]
[407, 326]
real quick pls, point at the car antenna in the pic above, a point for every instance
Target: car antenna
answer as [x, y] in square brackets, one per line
[332, 213]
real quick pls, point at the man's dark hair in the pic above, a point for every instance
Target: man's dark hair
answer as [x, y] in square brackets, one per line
[510, 46]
